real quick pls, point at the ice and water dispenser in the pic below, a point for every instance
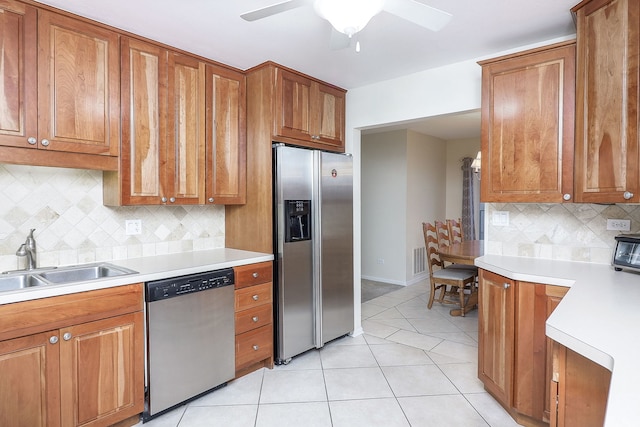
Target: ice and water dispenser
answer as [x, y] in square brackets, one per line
[298, 220]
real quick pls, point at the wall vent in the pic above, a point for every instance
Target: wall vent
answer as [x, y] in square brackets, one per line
[419, 260]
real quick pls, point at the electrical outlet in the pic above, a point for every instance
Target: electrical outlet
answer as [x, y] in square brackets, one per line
[619, 224]
[500, 218]
[133, 227]
[380, 260]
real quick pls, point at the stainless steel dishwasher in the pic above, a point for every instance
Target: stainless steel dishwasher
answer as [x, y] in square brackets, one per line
[190, 338]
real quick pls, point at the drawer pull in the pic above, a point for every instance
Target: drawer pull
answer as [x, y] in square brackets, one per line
[255, 347]
[255, 275]
[254, 318]
[255, 297]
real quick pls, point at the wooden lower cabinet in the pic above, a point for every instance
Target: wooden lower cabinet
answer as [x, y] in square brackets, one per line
[514, 353]
[579, 390]
[254, 317]
[81, 374]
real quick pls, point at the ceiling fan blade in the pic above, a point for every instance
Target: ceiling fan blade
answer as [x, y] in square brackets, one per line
[339, 40]
[418, 13]
[273, 9]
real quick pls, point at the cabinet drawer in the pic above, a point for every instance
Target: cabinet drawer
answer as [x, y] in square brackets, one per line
[253, 318]
[254, 346]
[253, 296]
[252, 274]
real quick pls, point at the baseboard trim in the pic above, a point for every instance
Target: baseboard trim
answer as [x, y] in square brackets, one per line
[415, 279]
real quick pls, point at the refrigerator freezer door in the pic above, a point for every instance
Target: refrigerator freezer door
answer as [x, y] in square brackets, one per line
[336, 245]
[293, 259]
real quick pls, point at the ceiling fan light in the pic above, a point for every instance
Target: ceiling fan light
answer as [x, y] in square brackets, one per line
[348, 16]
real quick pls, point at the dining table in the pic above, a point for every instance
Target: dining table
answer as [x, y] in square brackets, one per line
[464, 252]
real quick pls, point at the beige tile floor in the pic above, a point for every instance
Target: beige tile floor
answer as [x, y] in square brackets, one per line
[412, 367]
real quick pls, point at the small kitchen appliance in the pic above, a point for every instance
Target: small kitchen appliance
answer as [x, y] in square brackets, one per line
[627, 253]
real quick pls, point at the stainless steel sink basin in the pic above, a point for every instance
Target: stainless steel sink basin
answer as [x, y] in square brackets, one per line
[83, 273]
[14, 282]
[22, 279]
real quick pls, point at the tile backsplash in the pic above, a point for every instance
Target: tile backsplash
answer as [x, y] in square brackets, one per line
[72, 225]
[567, 232]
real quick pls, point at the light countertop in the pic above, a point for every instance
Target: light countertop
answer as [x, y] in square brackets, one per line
[148, 268]
[597, 319]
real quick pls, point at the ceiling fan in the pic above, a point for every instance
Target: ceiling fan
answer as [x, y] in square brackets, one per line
[350, 16]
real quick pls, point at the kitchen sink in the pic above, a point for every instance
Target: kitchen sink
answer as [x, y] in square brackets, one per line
[82, 273]
[79, 273]
[17, 281]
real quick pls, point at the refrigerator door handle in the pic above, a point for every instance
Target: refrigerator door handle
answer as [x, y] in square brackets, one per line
[317, 250]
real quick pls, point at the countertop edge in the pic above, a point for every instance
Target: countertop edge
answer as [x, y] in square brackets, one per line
[587, 318]
[148, 268]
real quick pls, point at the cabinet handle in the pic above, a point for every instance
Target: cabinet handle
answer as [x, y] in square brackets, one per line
[255, 319]
[66, 336]
[627, 195]
[44, 142]
[210, 199]
[32, 140]
[255, 275]
[507, 285]
[255, 347]
[53, 339]
[164, 200]
[255, 297]
[566, 197]
[172, 200]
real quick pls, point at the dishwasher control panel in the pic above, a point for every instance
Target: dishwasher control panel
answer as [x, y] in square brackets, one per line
[176, 286]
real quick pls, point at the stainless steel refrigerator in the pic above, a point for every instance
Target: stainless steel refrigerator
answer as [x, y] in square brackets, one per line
[313, 227]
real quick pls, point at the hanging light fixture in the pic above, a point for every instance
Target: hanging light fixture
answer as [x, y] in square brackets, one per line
[348, 16]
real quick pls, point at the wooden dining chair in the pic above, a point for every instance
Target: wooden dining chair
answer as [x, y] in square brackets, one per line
[461, 282]
[456, 234]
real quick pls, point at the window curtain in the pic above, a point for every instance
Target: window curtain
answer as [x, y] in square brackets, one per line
[468, 208]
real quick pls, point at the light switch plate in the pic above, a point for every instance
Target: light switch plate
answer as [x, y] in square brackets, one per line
[133, 227]
[500, 218]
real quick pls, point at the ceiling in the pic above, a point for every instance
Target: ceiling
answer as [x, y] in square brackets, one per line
[299, 39]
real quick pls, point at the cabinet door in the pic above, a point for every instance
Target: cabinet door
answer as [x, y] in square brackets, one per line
[582, 388]
[607, 136]
[185, 171]
[101, 370]
[18, 74]
[29, 381]
[293, 106]
[226, 136]
[528, 126]
[144, 112]
[79, 89]
[533, 357]
[496, 335]
[329, 120]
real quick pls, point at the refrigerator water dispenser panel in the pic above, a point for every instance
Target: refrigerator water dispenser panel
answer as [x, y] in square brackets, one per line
[298, 218]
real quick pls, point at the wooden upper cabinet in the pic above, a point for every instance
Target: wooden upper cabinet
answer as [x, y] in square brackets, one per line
[496, 335]
[226, 142]
[144, 133]
[19, 74]
[607, 139]
[59, 90]
[185, 171]
[528, 126]
[308, 112]
[79, 87]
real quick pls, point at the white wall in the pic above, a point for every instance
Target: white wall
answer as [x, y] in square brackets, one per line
[384, 197]
[402, 186]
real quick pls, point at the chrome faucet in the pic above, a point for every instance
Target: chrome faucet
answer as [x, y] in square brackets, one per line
[28, 249]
